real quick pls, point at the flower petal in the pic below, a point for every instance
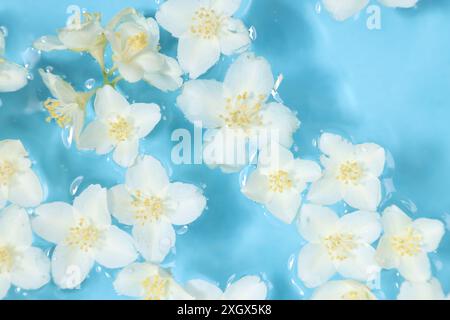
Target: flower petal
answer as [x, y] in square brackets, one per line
[197, 55]
[53, 221]
[361, 265]
[129, 280]
[60, 89]
[15, 227]
[335, 146]
[431, 290]
[187, 203]
[96, 136]
[394, 220]
[364, 224]
[116, 250]
[314, 265]
[109, 102]
[5, 284]
[257, 187]
[25, 190]
[92, 203]
[364, 196]
[203, 100]
[203, 290]
[279, 119]
[119, 204]
[233, 36]
[13, 77]
[48, 43]
[31, 270]
[250, 73]
[285, 205]
[166, 78]
[306, 170]
[432, 232]
[316, 222]
[145, 117]
[176, 16]
[386, 256]
[126, 153]
[225, 7]
[147, 175]
[326, 191]
[154, 240]
[372, 157]
[342, 290]
[416, 268]
[70, 267]
[344, 9]
[246, 288]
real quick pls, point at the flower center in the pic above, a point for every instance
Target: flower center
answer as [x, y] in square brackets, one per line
[350, 172]
[407, 244]
[340, 245]
[205, 23]
[120, 129]
[83, 235]
[60, 113]
[147, 208]
[155, 288]
[356, 295]
[7, 171]
[6, 259]
[279, 181]
[243, 111]
[135, 44]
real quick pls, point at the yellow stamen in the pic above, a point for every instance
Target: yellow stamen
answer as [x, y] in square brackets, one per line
[7, 171]
[147, 208]
[357, 295]
[243, 111]
[205, 23]
[120, 129]
[155, 288]
[279, 181]
[350, 172]
[83, 236]
[58, 112]
[407, 244]
[6, 259]
[340, 245]
[134, 45]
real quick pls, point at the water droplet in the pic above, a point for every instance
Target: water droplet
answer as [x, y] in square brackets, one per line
[252, 33]
[164, 118]
[182, 230]
[318, 8]
[89, 84]
[49, 69]
[67, 136]
[1, 103]
[75, 185]
[4, 30]
[30, 76]
[291, 262]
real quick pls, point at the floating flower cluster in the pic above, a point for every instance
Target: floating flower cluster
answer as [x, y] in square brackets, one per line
[356, 245]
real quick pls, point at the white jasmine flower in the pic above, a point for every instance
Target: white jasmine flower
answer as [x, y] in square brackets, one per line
[119, 126]
[429, 290]
[343, 290]
[406, 242]
[83, 234]
[351, 173]
[22, 265]
[237, 108]
[337, 245]
[18, 183]
[79, 36]
[149, 282]
[246, 288]
[205, 29]
[279, 181]
[13, 77]
[344, 9]
[151, 204]
[135, 43]
[68, 107]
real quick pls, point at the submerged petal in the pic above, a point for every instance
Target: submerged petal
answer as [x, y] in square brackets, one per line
[431, 290]
[126, 152]
[203, 290]
[116, 250]
[246, 288]
[315, 222]
[26, 190]
[233, 37]
[344, 9]
[92, 203]
[432, 232]
[15, 227]
[148, 176]
[145, 117]
[314, 265]
[53, 221]
[13, 77]
[176, 15]
[31, 270]
[187, 203]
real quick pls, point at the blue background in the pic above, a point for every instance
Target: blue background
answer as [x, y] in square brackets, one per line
[390, 86]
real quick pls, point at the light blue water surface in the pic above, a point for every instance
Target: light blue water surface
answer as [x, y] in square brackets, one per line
[390, 86]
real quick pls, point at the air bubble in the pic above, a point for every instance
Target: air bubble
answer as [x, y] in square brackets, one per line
[4, 30]
[75, 185]
[318, 8]
[182, 230]
[30, 58]
[49, 69]
[67, 137]
[30, 76]
[252, 33]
